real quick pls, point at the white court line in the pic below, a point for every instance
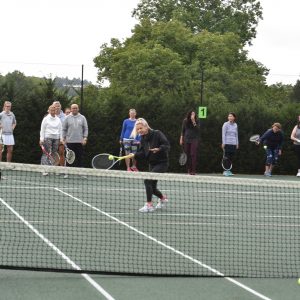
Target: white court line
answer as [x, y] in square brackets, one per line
[203, 191]
[58, 251]
[216, 272]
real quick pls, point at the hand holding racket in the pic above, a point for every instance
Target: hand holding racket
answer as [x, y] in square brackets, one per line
[107, 161]
[255, 138]
[53, 158]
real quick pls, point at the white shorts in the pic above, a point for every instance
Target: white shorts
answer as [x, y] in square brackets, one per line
[8, 139]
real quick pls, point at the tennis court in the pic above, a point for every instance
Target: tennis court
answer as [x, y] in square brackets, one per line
[245, 229]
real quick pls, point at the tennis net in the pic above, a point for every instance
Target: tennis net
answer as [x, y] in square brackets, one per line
[90, 222]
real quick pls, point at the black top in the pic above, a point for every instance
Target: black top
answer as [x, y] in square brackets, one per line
[154, 139]
[190, 131]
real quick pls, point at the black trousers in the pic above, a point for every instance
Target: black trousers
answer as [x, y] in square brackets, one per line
[151, 185]
[78, 149]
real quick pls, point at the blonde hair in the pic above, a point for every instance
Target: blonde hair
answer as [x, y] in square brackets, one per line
[142, 121]
[139, 121]
[5, 103]
[51, 106]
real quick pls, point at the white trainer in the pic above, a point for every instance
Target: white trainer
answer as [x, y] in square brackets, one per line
[162, 202]
[298, 174]
[147, 208]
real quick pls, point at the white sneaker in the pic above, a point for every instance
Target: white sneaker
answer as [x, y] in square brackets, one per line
[162, 202]
[147, 208]
[45, 174]
[225, 173]
[298, 174]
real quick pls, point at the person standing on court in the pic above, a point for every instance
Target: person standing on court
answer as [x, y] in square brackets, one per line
[61, 148]
[129, 143]
[272, 140]
[50, 134]
[75, 133]
[7, 125]
[189, 138]
[155, 149]
[230, 139]
[295, 137]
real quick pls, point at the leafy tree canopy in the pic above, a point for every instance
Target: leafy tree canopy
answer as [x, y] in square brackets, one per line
[238, 16]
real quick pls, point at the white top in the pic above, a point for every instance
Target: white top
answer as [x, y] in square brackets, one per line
[51, 128]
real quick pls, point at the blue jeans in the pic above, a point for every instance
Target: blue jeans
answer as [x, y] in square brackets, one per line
[272, 156]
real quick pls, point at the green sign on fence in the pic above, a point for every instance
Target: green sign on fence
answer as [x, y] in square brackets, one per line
[202, 113]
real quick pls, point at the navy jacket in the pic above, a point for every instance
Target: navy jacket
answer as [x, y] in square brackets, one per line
[273, 140]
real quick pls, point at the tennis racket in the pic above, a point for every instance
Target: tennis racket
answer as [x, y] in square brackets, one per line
[102, 161]
[254, 138]
[70, 155]
[1, 140]
[182, 158]
[53, 158]
[226, 162]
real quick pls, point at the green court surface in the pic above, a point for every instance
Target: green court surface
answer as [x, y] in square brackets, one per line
[25, 285]
[45, 218]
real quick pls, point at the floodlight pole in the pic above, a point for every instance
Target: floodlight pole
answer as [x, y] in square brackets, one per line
[201, 86]
[81, 90]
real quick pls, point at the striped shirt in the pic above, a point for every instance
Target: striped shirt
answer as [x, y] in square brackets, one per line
[230, 134]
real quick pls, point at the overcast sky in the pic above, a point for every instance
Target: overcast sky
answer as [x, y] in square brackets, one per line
[43, 37]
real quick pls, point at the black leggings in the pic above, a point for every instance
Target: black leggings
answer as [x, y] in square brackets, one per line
[297, 151]
[230, 151]
[151, 185]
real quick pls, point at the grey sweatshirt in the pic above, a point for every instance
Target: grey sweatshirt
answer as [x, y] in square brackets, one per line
[75, 128]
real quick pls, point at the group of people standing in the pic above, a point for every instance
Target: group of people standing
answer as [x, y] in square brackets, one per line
[60, 129]
[70, 128]
[272, 141]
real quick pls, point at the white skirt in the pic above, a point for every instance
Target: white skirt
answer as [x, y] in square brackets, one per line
[8, 139]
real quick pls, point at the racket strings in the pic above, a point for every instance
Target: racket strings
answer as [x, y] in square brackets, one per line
[102, 161]
[70, 156]
[182, 159]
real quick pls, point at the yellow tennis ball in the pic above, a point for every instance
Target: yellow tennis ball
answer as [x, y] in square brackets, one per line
[299, 281]
[265, 147]
[110, 157]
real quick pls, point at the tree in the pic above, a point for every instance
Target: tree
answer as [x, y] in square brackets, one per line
[237, 16]
[295, 94]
